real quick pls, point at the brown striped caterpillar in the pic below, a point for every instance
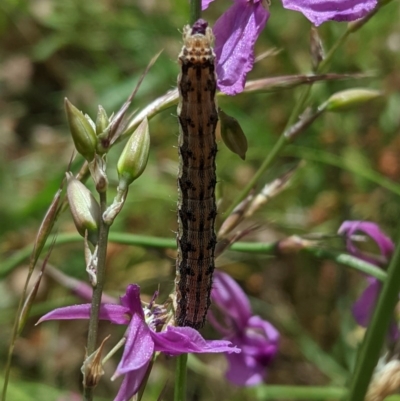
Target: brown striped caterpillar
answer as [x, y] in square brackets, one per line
[197, 210]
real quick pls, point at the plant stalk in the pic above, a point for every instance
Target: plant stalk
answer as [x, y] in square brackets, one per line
[98, 290]
[180, 378]
[195, 11]
[265, 248]
[377, 330]
[296, 112]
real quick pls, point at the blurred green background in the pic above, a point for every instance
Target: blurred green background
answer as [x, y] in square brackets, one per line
[93, 52]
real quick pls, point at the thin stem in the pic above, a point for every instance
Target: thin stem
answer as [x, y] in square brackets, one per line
[272, 392]
[98, 290]
[377, 330]
[298, 107]
[16, 328]
[180, 378]
[272, 156]
[349, 261]
[13, 340]
[266, 248]
[328, 58]
[195, 11]
[351, 28]
[282, 141]
[320, 156]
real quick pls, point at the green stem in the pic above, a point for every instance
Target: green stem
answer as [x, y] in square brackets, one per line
[320, 156]
[377, 330]
[348, 260]
[13, 340]
[282, 141]
[180, 378]
[266, 248]
[351, 28]
[272, 392]
[195, 11]
[98, 290]
[272, 156]
[325, 62]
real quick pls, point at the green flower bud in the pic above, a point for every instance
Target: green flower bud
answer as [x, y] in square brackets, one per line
[233, 135]
[102, 121]
[82, 131]
[84, 208]
[133, 159]
[347, 99]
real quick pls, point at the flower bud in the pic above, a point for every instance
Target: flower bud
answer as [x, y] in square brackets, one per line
[346, 99]
[233, 135]
[103, 131]
[82, 131]
[84, 208]
[133, 159]
[97, 169]
[102, 121]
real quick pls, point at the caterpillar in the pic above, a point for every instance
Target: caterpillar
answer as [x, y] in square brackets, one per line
[198, 117]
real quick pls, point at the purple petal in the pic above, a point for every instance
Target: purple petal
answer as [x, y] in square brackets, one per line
[394, 332]
[205, 4]
[384, 243]
[364, 306]
[224, 331]
[85, 291]
[114, 313]
[259, 345]
[244, 370]
[131, 300]
[138, 349]
[319, 11]
[266, 329]
[256, 342]
[236, 32]
[179, 340]
[131, 384]
[231, 299]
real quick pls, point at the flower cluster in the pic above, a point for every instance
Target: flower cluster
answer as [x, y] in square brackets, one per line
[237, 30]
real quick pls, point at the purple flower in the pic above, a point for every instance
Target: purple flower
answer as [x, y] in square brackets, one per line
[319, 11]
[142, 340]
[364, 306]
[372, 230]
[236, 32]
[257, 338]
